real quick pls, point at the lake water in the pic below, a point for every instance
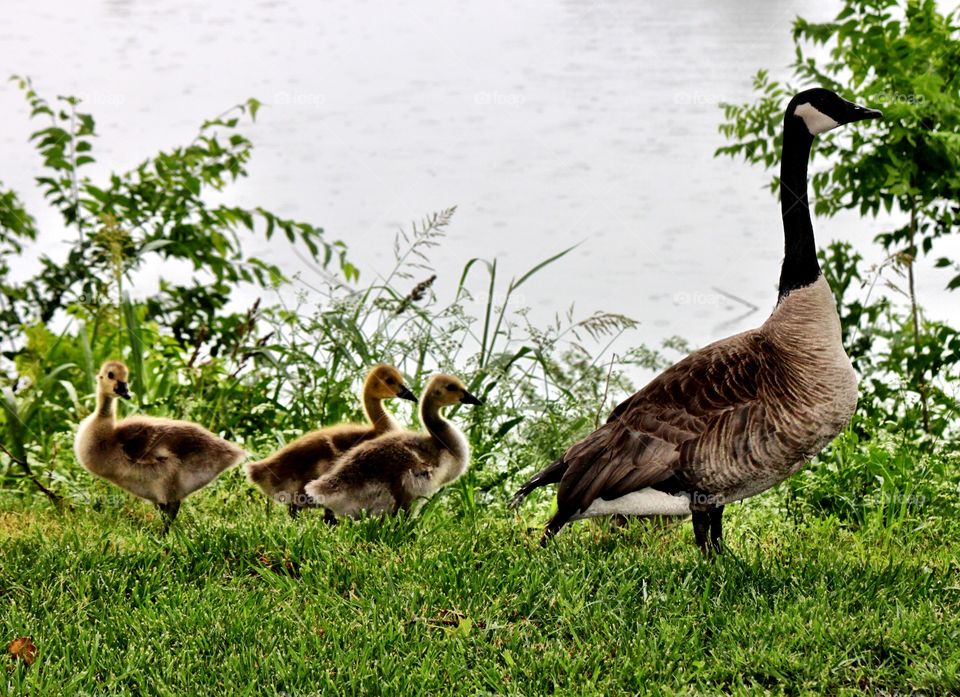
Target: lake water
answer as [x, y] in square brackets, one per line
[548, 123]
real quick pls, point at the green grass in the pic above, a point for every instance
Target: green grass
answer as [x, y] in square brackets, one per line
[237, 602]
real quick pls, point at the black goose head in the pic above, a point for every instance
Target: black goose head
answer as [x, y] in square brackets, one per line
[820, 110]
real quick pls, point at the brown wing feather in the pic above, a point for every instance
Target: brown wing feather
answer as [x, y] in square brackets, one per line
[653, 435]
[138, 438]
[385, 459]
[149, 442]
[308, 457]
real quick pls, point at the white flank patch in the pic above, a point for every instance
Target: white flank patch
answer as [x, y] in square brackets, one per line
[644, 502]
[816, 121]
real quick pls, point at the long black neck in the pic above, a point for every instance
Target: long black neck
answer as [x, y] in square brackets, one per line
[800, 265]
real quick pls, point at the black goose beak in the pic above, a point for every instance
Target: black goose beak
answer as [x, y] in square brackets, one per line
[122, 390]
[855, 112]
[468, 398]
[405, 393]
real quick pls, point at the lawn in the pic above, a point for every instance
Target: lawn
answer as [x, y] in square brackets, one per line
[236, 601]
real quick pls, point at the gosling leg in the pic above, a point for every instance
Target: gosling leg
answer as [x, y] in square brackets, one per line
[716, 529]
[701, 530]
[169, 512]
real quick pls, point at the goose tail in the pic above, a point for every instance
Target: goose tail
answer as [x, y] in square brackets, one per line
[551, 474]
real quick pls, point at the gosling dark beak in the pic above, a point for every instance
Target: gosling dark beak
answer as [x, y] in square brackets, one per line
[405, 393]
[122, 390]
[468, 398]
[855, 112]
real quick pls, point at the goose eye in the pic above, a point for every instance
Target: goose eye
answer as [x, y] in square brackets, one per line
[391, 381]
[451, 388]
[110, 375]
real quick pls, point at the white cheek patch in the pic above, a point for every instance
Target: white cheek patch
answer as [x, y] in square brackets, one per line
[816, 121]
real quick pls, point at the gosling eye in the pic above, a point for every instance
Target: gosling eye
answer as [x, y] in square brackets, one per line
[391, 381]
[452, 388]
[110, 375]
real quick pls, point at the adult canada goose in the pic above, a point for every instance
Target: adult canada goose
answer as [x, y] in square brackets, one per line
[390, 472]
[742, 414]
[160, 460]
[284, 474]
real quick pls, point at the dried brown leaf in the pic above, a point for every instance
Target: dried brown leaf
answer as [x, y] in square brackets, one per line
[23, 648]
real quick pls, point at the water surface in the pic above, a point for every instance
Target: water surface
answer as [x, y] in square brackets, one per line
[548, 123]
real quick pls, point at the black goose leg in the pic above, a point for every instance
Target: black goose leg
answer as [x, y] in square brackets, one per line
[329, 517]
[716, 529]
[701, 527]
[560, 519]
[294, 510]
[169, 512]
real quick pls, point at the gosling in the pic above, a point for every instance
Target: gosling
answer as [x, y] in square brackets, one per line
[389, 473]
[160, 460]
[283, 475]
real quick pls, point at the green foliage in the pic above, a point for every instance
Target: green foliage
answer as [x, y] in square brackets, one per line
[158, 212]
[16, 228]
[877, 480]
[902, 58]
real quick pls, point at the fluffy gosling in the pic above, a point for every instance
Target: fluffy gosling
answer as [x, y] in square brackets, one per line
[283, 475]
[157, 459]
[389, 473]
